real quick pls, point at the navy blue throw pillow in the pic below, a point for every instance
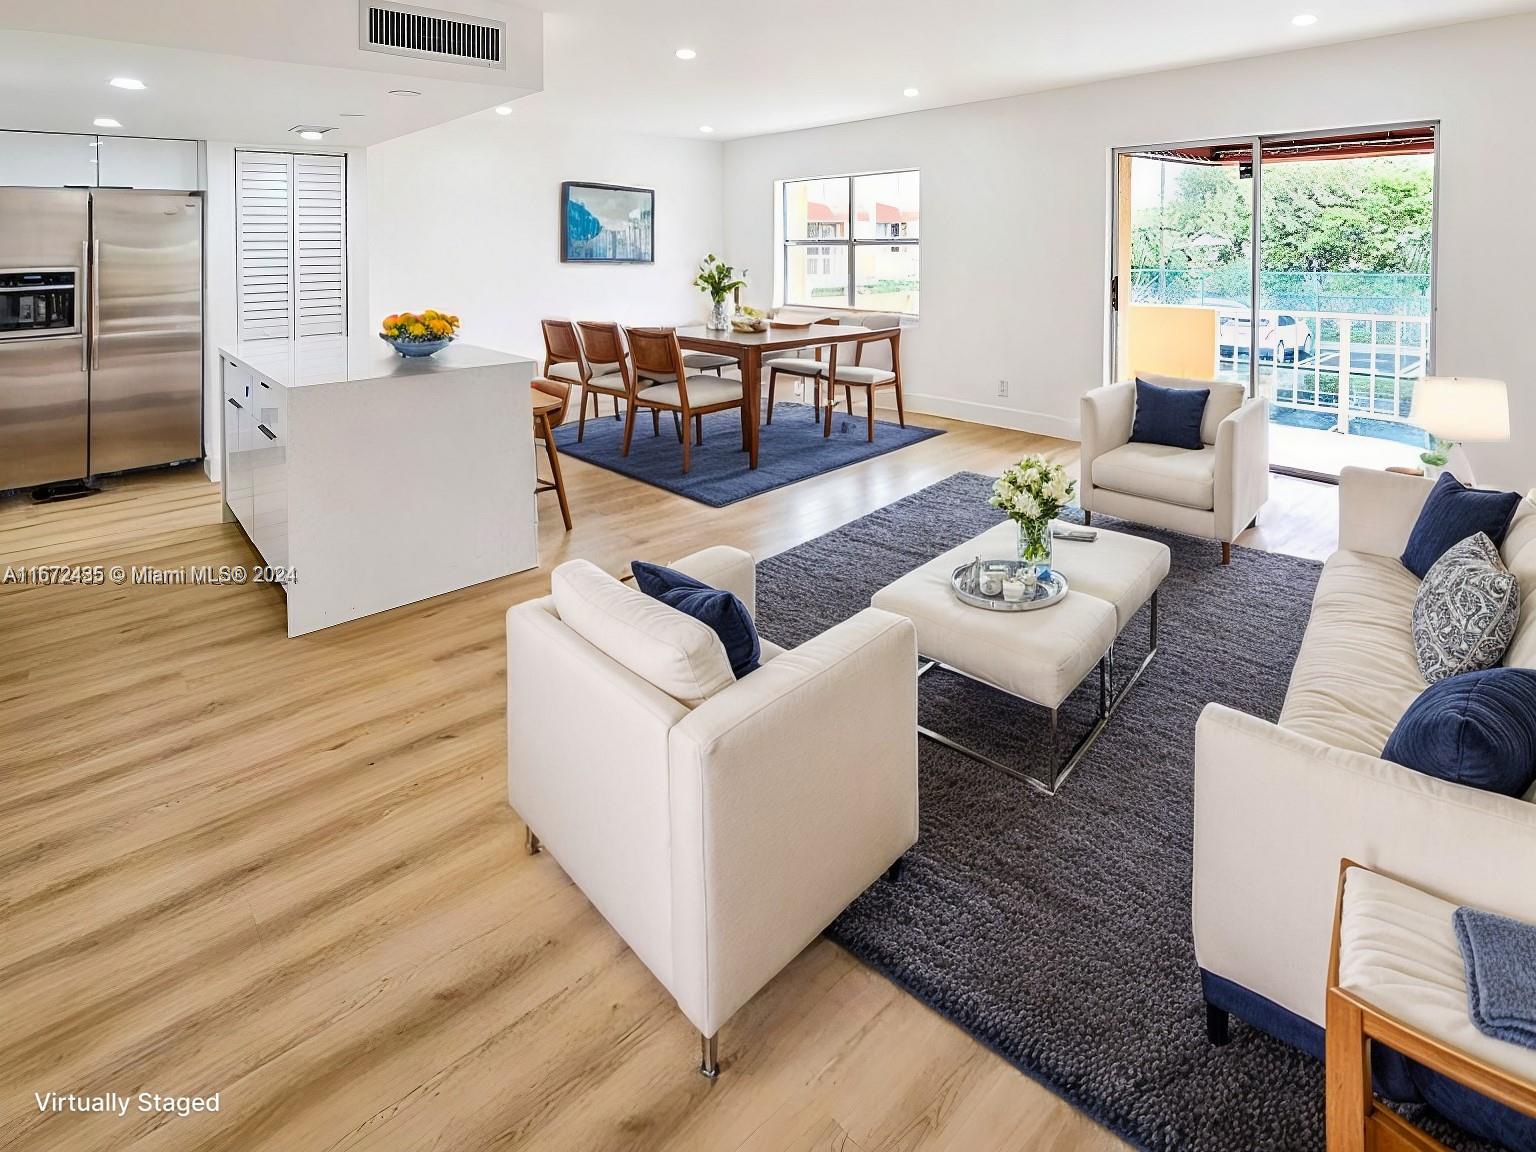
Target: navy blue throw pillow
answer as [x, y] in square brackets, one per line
[1169, 416]
[721, 610]
[1451, 514]
[1477, 729]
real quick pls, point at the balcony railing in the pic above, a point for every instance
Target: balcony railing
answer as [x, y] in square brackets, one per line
[1371, 359]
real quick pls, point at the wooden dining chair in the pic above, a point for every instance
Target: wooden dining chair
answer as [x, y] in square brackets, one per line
[607, 368]
[867, 371]
[544, 425]
[689, 397]
[810, 368]
[562, 352]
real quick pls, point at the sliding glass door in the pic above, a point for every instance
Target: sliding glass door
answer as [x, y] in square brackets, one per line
[1183, 280]
[1299, 266]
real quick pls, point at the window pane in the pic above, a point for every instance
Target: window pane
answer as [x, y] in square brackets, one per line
[886, 277]
[816, 210]
[885, 206]
[816, 274]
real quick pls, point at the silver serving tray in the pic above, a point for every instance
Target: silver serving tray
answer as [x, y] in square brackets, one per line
[965, 583]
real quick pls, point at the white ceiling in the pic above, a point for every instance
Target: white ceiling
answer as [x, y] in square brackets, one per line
[244, 71]
[247, 70]
[797, 63]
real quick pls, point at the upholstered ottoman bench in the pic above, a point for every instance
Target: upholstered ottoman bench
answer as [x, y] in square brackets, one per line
[1039, 656]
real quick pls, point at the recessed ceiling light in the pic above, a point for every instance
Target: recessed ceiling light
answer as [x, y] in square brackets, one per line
[1304, 20]
[310, 131]
[404, 92]
[105, 122]
[503, 110]
[353, 115]
[909, 92]
[705, 128]
[312, 135]
[685, 53]
[127, 82]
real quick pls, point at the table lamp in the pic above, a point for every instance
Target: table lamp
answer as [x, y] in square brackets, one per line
[1456, 410]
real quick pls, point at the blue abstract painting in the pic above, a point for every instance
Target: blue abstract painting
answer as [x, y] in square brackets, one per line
[607, 224]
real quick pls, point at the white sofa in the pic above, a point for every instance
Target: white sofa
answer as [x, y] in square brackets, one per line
[1215, 492]
[1277, 806]
[718, 824]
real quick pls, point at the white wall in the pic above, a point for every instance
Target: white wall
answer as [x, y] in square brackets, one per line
[466, 219]
[1016, 210]
[219, 303]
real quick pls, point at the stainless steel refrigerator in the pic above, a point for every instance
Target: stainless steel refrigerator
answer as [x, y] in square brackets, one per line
[101, 332]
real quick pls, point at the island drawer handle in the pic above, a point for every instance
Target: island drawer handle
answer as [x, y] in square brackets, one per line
[233, 401]
[263, 383]
[267, 432]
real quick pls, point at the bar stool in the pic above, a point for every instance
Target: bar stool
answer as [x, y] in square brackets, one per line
[550, 400]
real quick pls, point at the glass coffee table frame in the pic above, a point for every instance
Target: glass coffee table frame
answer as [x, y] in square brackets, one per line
[1109, 703]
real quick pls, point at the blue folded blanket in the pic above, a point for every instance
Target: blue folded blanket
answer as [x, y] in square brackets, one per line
[1500, 956]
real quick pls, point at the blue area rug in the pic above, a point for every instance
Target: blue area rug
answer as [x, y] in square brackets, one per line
[1056, 930]
[791, 449]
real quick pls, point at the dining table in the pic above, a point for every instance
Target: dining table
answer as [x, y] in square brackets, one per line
[749, 348]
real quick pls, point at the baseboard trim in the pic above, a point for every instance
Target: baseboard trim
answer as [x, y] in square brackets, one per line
[993, 415]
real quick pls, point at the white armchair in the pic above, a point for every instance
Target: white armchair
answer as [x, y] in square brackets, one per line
[1215, 492]
[718, 825]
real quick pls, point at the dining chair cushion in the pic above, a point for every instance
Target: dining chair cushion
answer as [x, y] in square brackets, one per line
[668, 649]
[609, 382]
[800, 366]
[703, 392]
[565, 370]
[861, 374]
[703, 361]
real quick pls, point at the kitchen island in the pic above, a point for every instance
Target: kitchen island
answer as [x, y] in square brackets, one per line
[367, 480]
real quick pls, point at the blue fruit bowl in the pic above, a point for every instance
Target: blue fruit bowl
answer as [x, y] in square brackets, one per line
[416, 347]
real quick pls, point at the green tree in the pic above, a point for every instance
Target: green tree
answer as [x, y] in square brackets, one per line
[1370, 215]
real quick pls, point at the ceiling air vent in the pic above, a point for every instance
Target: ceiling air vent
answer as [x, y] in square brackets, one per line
[426, 34]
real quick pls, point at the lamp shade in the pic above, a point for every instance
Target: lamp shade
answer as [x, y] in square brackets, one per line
[1461, 408]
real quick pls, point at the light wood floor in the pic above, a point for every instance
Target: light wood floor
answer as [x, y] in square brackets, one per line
[285, 870]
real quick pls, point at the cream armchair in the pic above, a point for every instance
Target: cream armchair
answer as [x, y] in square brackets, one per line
[718, 825]
[1215, 493]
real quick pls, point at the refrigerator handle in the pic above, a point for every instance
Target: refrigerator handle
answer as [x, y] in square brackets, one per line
[95, 336]
[86, 279]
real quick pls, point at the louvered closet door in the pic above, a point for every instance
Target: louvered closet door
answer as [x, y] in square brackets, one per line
[292, 244]
[264, 243]
[320, 244]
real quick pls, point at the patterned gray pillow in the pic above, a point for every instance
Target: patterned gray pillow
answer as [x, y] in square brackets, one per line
[1466, 612]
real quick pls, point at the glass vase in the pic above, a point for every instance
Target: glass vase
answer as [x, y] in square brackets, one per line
[1035, 545]
[719, 316]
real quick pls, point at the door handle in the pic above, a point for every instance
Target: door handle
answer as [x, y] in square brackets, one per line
[263, 383]
[267, 432]
[95, 340]
[86, 279]
[233, 401]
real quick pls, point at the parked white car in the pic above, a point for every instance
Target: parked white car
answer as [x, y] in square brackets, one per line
[1283, 338]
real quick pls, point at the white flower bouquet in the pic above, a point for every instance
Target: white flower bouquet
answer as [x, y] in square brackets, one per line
[1033, 492]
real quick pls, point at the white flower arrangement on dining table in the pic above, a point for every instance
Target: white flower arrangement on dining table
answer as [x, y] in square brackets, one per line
[1033, 492]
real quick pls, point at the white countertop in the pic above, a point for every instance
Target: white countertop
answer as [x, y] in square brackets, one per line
[311, 360]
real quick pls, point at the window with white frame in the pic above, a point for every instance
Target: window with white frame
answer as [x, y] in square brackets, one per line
[851, 242]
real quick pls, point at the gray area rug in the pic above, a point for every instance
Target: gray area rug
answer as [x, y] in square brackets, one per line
[1057, 930]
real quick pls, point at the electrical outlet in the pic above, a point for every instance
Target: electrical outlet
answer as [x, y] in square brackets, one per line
[1002, 387]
